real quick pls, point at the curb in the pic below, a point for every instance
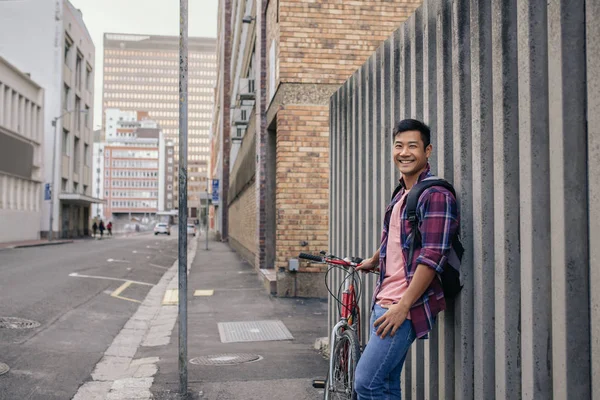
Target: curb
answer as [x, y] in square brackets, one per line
[23, 246]
[118, 375]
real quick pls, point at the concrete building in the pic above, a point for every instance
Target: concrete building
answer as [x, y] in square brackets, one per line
[133, 168]
[141, 72]
[55, 48]
[294, 55]
[21, 143]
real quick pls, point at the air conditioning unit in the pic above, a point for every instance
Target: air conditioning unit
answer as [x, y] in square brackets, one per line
[246, 89]
[241, 116]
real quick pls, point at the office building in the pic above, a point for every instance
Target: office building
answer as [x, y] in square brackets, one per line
[133, 168]
[141, 72]
[49, 41]
[21, 141]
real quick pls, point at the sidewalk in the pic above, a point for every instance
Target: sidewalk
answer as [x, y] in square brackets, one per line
[286, 367]
[142, 361]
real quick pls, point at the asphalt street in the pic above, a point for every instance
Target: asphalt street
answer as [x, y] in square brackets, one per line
[81, 294]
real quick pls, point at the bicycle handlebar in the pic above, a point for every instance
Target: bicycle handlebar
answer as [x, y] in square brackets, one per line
[311, 257]
[331, 259]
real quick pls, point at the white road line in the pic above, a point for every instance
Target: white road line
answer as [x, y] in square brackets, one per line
[77, 275]
[110, 260]
[158, 266]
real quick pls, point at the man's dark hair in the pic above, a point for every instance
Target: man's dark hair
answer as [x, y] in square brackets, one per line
[413, 125]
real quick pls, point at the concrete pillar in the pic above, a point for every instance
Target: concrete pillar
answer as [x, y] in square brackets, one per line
[592, 14]
[506, 198]
[429, 15]
[483, 200]
[461, 107]
[444, 155]
[534, 190]
[568, 191]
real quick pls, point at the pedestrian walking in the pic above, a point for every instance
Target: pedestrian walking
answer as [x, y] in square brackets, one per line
[94, 229]
[109, 228]
[412, 254]
[101, 228]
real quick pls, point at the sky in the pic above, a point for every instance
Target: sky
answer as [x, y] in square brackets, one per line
[151, 17]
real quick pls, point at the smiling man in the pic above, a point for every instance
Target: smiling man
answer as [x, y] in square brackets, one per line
[409, 294]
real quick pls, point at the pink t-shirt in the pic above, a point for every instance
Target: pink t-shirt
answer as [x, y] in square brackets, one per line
[394, 284]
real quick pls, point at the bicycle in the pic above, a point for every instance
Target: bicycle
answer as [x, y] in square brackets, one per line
[344, 341]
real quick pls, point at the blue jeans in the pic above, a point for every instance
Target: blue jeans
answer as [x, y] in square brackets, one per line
[377, 375]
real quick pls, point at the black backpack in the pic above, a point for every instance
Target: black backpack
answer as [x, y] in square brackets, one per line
[450, 276]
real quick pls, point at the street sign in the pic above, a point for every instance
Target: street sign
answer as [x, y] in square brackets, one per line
[47, 192]
[215, 191]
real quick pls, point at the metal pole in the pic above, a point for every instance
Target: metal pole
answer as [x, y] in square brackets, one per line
[206, 216]
[183, 211]
[52, 180]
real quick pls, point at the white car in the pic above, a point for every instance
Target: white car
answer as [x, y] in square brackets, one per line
[162, 227]
[191, 229]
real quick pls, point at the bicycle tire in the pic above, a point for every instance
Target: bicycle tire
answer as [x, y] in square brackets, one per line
[345, 355]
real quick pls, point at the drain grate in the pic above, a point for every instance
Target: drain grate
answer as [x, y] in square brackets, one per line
[17, 323]
[225, 359]
[253, 331]
[3, 368]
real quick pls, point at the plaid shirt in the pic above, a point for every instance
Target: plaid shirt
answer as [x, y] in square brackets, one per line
[438, 217]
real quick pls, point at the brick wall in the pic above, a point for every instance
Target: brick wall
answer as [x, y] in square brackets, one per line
[242, 223]
[302, 189]
[319, 44]
[326, 41]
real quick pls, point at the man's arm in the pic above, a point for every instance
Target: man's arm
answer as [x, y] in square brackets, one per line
[397, 313]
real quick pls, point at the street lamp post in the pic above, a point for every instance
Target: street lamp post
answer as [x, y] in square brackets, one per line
[54, 121]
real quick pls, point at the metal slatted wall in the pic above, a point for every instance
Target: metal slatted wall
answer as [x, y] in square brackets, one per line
[511, 89]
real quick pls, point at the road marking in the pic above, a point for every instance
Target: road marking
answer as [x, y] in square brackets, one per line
[110, 260]
[171, 297]
[76, 275]
[158, 266]
[204, 292]
[120, 289]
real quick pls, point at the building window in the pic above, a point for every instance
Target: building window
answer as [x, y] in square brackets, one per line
[86, 117]
[88, 78]
[63, 185]
[66, 92]
[78, 70]
[65, 142]
[77, 114]
[76, 155]
[68, 45]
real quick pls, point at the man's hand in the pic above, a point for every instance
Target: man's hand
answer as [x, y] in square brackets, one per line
[368, 265]
[392, 319]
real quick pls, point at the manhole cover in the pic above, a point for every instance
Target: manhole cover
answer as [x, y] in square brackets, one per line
[17, 323]
[3, 368]
[225, 359]
[253, 331]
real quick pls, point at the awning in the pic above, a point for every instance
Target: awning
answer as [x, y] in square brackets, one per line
[79, 199]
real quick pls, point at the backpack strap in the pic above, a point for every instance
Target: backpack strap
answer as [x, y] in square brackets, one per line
[411, 206]
[417, 190]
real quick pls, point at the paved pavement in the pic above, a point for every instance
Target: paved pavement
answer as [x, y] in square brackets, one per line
[81, 294]
[142, 361]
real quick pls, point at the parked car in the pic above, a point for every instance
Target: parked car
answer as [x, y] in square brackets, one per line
[162, 227]
[191, 229]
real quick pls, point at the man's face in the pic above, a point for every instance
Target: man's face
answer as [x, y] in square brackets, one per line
[410, 154]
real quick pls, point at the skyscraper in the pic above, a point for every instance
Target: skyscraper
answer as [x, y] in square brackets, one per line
[141, 72]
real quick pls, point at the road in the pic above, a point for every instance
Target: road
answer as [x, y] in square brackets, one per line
[81, 294]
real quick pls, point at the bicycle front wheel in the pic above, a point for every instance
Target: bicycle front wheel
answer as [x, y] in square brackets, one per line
[345, 355]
